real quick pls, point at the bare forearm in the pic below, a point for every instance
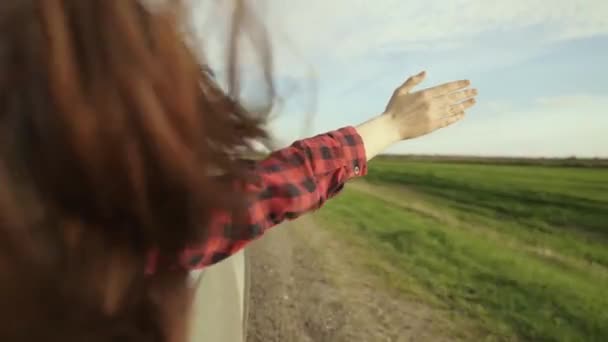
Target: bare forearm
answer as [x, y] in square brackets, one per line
[378, 134]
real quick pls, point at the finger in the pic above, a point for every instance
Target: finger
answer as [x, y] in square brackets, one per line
[461, 95]
[451, 119]
[462, 106]
[446, 88]
[412, 82]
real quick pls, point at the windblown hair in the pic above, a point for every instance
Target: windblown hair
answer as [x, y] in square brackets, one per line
[110, 129]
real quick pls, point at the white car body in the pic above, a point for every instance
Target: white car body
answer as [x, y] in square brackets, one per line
[220, 311]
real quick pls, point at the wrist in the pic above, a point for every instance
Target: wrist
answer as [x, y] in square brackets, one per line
[378, 134]
[390, 128]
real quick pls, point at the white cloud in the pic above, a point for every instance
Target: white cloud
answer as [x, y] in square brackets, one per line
[347, 28]
[552, 126]
[307, 33]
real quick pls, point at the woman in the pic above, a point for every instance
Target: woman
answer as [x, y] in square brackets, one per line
[109, 133]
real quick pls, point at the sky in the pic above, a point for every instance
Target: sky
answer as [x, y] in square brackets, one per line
[541, 68]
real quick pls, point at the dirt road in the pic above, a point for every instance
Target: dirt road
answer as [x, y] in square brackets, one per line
[305, 288]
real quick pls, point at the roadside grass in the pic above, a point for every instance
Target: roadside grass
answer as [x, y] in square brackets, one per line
[521, 250]
[562, 209]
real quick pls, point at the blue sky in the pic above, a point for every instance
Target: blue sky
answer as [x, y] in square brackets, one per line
[541, 70]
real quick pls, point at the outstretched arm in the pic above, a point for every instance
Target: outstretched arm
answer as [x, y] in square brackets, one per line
[302, 177]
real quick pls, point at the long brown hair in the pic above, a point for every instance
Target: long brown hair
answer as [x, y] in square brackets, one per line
[110, 129]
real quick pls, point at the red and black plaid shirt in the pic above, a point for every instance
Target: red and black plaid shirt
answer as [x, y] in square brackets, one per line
[293, 181]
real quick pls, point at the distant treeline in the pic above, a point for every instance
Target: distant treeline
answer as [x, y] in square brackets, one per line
[568, 162]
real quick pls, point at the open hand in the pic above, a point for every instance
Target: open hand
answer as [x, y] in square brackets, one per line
[421, 112]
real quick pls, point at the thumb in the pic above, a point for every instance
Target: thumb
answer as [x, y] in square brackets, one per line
[412, 82]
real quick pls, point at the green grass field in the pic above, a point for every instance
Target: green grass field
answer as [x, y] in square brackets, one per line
[522, 251]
